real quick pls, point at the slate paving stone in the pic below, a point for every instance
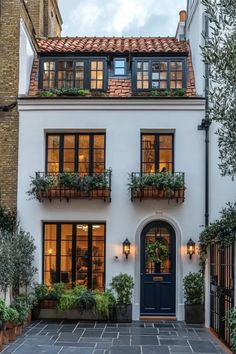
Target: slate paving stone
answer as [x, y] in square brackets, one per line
[144, 340]
[110, 335]
[104, 345]
[202, 346]
[122, 340]
[155, 349]
[92, 333]
[145, 331]
[45, 349]
[74, 344]
[171, 341]
[180, 349]
[95, 340]
[98, 351]
[163, 325]
[68, 337]
[125, 350]
[68, 350]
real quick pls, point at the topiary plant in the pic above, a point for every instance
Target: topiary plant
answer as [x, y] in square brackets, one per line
[193, 288]
[123, 285]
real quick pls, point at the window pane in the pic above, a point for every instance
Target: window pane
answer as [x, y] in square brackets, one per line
[49, 263]
[98, 256]
[99, 141]
[165, 141]
[145, 84]
[82, 254]
[119, 71]
[155, 84]
[68, 167]
[148, 141]
[165, 155]
[53, 167]
[84, 155]
[98, 167]
[83, 168]
[99, 84]
[93, 84]
[69, 141]
[84, 141]
[119, 63]
[100, 65]
[53, 155]
[69, 155]
[50, 231]
[163, 84]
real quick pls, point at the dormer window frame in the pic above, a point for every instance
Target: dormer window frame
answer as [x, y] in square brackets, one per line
[87, 70]
[150, 61]
[116, 59]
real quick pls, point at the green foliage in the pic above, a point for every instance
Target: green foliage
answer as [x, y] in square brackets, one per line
[41, 184]
[3, 308]
[123, 285]
[193, 288]
[177, 92]
[221, 231]
[220, 53]
[67, 301]
[103, 302]
[231, 321]
[8, 220]
[161, 180]
[64, 92]
[12, 315]
[69, 180]
[157, 251]
[6, 261]
[41, 292]
[85, 301]
[23, 305]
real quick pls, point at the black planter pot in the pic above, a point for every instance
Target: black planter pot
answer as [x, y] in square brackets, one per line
[123, 313]
[194, 314]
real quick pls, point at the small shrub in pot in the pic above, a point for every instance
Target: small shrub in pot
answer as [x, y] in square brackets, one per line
[194, 295]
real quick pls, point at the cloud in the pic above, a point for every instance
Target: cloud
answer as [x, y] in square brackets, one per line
[120, 17]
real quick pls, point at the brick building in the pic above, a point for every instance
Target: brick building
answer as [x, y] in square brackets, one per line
[40, 18]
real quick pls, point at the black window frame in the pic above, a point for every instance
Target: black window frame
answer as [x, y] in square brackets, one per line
[76, 149]
[114, 67]
[157, 149]
[58, 249]
[151, 60]
[87, 72]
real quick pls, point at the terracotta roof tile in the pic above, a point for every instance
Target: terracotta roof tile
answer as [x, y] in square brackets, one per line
[112, 45]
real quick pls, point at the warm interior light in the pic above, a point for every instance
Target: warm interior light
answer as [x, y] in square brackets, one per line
[81, 157]
[50, 251]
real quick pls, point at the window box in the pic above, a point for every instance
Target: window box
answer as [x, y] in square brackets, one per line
[160, 185]
[68, 185]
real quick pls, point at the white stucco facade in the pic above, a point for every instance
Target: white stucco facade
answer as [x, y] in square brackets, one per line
[122, 121]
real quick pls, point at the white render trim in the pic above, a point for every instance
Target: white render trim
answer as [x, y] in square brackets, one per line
[159, 215]
[110, 105]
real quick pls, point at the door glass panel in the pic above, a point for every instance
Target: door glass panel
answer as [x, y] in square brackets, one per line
[98, 257]
[158, 234]
[82, 257]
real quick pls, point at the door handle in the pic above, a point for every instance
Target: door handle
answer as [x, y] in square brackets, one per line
[159, 279]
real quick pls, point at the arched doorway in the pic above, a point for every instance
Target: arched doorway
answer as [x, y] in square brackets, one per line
[158, 278]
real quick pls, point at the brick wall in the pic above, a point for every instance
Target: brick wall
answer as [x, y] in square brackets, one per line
[10, 13]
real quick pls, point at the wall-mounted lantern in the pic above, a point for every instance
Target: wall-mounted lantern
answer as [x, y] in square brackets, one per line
[126, 248]
[190, 248]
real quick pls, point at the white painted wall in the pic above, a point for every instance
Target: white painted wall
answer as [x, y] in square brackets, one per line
[194, 29]
[27, 54]
[122, 120]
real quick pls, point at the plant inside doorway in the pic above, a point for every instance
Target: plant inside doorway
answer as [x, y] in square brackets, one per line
[194, 295]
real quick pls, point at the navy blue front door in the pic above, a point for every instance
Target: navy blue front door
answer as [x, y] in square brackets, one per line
[158, 279]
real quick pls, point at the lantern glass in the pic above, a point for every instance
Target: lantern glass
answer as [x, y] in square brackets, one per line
[126, 248]
[190, 248]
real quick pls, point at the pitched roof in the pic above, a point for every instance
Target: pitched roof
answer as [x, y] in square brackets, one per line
[112, 45]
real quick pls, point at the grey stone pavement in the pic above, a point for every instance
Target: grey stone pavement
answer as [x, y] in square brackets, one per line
[62, 337]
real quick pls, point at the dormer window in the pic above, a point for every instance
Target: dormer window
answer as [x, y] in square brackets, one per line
[159, 74]
[119, 66]
[77, 73]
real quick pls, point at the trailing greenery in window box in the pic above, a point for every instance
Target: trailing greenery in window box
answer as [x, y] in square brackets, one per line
[70, 92]
[162, 93]
[221, 231]
[69, 185]
[160, 185]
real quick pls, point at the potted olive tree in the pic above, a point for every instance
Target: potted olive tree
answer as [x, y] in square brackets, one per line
[123, 285]
[193, 292]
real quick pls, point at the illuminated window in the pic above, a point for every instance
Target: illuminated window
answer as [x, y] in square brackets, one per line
[157, 152]
[159, 74]
[81, 152]
[74, 253]
[67, 74]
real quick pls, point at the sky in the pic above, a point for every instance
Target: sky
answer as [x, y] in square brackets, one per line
[120, 17]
